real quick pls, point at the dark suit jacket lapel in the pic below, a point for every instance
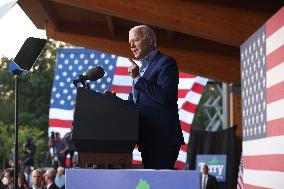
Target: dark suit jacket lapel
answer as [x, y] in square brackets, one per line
[152, 64]
[150, 69]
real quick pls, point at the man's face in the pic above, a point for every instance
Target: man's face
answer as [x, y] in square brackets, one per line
[36, 178]
[57, 137]
[139, 44]
[205, 169]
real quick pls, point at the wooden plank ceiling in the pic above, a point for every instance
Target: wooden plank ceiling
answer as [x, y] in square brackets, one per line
[203, 35]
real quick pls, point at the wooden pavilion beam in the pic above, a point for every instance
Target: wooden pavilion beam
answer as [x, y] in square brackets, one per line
[51, 16]
[110, 25]
[226, 24]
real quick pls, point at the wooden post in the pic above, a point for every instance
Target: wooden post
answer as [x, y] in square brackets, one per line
[236, 113]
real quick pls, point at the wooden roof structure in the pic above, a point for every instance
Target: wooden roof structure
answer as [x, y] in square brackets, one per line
[203, 35]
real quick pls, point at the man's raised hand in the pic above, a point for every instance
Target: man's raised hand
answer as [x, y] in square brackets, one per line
[133, 70]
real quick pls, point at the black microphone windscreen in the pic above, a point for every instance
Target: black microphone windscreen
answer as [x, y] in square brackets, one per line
[95, 73]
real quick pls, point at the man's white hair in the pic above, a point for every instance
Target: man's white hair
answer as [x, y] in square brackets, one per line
[146, 32]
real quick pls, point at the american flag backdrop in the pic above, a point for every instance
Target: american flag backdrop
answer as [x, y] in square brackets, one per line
[71, 62]
[262, 65]
[240, 181]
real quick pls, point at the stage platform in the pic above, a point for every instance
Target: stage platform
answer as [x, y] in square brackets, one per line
[131, 179]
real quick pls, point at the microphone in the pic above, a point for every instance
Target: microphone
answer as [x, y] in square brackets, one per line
[92, 74]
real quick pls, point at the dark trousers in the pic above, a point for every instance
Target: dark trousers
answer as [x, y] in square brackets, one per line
[159, 157]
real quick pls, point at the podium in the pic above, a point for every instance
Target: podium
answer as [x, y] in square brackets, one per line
[105, 130]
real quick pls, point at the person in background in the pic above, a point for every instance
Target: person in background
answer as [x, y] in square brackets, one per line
[60, 147]
[12, 158]
[155, 92]
[60, 178]
[8, 179]
[29, 151]
[71, 146]
[208, 181]
[28, 174]
[49, 178]
[22, 183]
[37, 179]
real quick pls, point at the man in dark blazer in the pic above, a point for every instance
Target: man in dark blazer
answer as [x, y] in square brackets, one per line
[155, 92]
[208, 181]
[49, 178]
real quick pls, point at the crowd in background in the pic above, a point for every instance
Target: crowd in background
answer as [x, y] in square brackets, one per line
[62, 153]
[34, 179]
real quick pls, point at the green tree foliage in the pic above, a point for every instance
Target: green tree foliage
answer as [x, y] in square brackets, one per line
[7, 140]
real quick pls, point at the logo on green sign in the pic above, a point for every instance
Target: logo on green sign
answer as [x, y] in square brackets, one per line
[143, 184]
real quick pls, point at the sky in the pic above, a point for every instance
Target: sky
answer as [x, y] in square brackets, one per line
[15, 28]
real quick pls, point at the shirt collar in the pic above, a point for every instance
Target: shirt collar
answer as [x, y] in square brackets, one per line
[150, 56]
[49, 185]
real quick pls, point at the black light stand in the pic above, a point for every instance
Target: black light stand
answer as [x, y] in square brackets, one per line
[21, 65]
[16, 146]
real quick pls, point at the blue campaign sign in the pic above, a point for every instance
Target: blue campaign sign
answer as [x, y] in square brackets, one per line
[217, 165]
[131, 179]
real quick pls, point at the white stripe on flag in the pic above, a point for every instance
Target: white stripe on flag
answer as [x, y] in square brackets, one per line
[265, 146]
[121, 80]
[122, 96]
[185, 116]
[186, 83]
[55, 113]
[264, 179]
[275, 75]
[124, 62]
[201, 80]
[182, 156]
[275, 110]
[136, 155]
[275, 41]
[180, 102]
[185, 136]
[193, 97]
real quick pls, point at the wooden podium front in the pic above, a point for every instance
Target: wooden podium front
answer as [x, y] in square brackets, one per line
[105, 160]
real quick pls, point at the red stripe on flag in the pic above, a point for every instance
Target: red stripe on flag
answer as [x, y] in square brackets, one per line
[276, 92]
[275, 127]
[184, 126]
[121, 71]
[272, 162]
[184, 147]
[121, 89]
[182, 93]
[248, 186]
[179, 165]
[275, 22]
[188, 106]
[185, 75]
[60, 123]
[198, 88]
[275, 58]
[136, 162]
